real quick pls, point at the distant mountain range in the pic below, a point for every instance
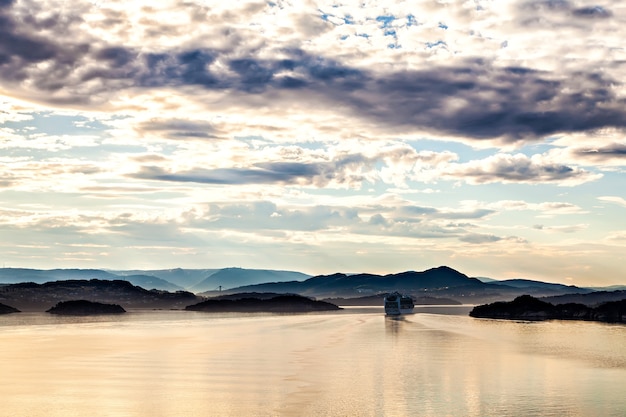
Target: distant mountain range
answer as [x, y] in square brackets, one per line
[441, 283]
[237, 277]
[195, 280]
[38, 276]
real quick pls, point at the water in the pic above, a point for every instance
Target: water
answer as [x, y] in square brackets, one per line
[356, 362]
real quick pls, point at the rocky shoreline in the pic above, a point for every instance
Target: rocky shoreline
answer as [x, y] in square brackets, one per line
[526, 307]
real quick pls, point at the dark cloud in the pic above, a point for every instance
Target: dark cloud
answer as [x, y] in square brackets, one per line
[116, 56]
[593, 12]
[313, 173]
[547, 8]
[517, 168]
[178, 128]
[28, 48]
[478, 238]
[471, 99]
[606, 152]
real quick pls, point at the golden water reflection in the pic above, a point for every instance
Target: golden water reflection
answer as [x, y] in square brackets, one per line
[342, 364]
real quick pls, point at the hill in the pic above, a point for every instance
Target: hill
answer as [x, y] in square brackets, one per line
[526, 307]
[236, 277]
[31, 296]
[39, 276]
[589, 299]
[196, 280]
[150, 282]
[341, 285]
[528, 283]
[440, 282]
[17, 275]
[183, 278]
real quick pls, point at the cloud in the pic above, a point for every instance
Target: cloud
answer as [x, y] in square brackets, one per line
[574, 228]
[346, 170]
[546, 208]
[60, 174]
[467, 98]
[604, 152]
[336, 166]
[177, 129]
[479, 238]
[519, 168]
[618, 236]
[614, 199]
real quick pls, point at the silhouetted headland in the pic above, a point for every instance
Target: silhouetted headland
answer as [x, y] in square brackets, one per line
[526, 307]
[276, 304]
[30, 296]
[84, 308]
[5, 309]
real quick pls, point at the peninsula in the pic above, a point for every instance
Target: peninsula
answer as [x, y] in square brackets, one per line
[5, 309]
[526, 307]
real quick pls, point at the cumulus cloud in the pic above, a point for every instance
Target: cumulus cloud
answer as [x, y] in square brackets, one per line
[403, 220]
[519, 168]
[465, 98]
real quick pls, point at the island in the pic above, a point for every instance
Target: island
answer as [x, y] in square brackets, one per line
[84, 308]
[259, 304]
[5, 309]
[526, 307]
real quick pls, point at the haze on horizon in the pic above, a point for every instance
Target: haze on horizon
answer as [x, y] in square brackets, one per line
[316, 136]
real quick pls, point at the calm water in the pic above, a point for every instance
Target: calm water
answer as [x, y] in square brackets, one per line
[352, 363]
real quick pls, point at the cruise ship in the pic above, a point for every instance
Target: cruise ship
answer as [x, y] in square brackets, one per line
[396, 304]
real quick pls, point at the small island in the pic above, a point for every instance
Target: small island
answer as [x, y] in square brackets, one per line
[275, 304]
[526, 307]
[84, 308]
[5, 309]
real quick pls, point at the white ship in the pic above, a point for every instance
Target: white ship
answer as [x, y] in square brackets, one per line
[396, 304]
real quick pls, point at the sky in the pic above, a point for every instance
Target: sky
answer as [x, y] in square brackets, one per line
[316, 136]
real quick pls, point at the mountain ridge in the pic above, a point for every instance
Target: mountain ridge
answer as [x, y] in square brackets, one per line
[438, 282]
